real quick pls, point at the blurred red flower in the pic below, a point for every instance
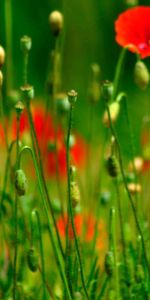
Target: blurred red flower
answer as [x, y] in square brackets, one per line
[44, 128]
[133, 30]
[85, 228]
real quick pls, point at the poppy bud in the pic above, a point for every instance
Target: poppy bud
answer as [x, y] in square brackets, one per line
[27, 92]
[114, 109]
[62, 103]
[72, 97]
[1, 79]
[107, 90]
[2, 56]
[141, 75]
[75, 194]
[26, 43]
[20, 182]
[112, 166]
[33, 259]
[19, 107]
[109, 263]
[56, 22]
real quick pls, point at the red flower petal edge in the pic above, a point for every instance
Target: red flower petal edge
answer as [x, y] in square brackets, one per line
[133, 30]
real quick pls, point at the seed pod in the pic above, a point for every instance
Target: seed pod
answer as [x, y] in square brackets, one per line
[19, 107]
[75, 194]
[72, 97]
[2, 56]
[109, 263]
[33, 259]
[62, 103]
[56, 22]
[114, 109]
[141, 75]
[112, 166]
[20, 182]
[26, 43]
[27, 92]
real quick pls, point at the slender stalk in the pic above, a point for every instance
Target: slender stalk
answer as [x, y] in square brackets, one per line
[16, 217]
[114, 245]
[118, 72]
[127, 190]
[25, 68]
[41, 252]
[70, 210]
[37, 153]
[58, 257]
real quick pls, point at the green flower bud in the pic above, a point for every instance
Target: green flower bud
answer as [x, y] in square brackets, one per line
[112, 166]
[114, 109]
[72, 97]
[109, 263]
[33, 259]
[75, 194]
[62, 103]
[27, 92]
[141, 75]
[25, 43]
[19, 107]
[56, 205]
[20, 182]
[56, 22]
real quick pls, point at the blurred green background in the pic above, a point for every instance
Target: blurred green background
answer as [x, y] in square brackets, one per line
[89, 38]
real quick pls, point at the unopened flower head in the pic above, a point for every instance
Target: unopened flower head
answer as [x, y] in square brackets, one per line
[141, 75]
[56, 22]
[26, 43]
[72, 96]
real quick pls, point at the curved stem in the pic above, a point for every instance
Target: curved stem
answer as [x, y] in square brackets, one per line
[52, 238]
[118, 72]
[8, 33]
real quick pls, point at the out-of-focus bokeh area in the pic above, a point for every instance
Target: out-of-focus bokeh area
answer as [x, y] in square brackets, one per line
[88, 38]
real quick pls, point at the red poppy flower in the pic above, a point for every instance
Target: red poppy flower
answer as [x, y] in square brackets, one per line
[85, 228]
[45, 134]
[133, 30]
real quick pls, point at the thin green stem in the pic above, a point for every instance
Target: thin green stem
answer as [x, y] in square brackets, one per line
[41, 252]
[127, 190]
[70, 210]
[37, 153]
[114, 245]
[25, 68]
[118, 72]
[16, 217]
[58, 257]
